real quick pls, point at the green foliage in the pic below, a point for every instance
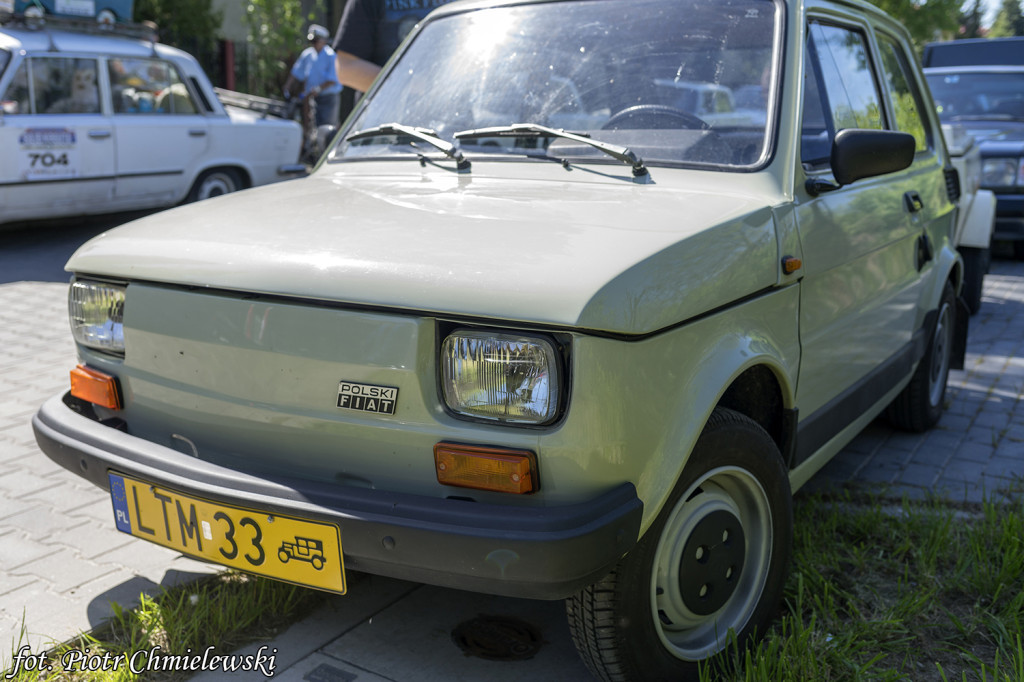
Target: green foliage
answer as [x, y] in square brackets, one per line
[924, 20]
[191, 25]
[277, 34]
[1009, 22]
[970, 20]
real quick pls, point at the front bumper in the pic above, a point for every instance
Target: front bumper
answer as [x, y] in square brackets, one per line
[534, 552]
[1009, 224]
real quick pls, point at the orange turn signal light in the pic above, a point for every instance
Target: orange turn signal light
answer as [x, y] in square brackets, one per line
[790, 264]
[486, 468]
[95, 387]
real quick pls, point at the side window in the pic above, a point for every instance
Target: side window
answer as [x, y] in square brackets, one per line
[906, 100]
[840, 89]
[54, 85]
[18, 98]
[148, 86]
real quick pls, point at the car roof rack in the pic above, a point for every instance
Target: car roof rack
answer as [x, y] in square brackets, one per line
[139, 31]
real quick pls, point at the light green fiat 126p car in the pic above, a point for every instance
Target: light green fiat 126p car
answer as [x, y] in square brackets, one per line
[543, 322]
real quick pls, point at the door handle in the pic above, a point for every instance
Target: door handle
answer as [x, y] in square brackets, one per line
[913, 201]
[99, 134]
[196, 132]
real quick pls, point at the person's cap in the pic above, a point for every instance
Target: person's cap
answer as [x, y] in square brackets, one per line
[317, 32]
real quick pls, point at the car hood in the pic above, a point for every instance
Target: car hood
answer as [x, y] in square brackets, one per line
[609, 254]
[995, 131]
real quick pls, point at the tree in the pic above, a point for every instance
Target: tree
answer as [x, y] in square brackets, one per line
[277, 33]
[1009, 21]
[925, 21]
[970, 21]
[191, 25]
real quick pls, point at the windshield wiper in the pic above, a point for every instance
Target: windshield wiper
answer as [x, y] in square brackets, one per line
[422, 134]
[623, 154]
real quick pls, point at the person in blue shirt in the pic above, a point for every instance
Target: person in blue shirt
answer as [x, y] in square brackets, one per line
[315, 68]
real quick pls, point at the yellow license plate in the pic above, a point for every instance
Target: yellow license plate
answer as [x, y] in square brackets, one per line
[296, 550]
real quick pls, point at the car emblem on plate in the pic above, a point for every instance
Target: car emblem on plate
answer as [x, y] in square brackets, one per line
[367, 397]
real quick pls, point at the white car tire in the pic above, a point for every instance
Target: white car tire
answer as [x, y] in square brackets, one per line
[215, 182]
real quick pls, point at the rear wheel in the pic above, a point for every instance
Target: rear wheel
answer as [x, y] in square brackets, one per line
[976, 262]
[215, 182]
[713, 563]
[919, 406]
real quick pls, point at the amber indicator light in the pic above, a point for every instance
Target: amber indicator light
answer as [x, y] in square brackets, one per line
[791, 264]
[95, 387]
[486, 468]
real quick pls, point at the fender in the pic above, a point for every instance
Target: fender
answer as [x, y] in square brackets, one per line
[715, 368]
[980, 220]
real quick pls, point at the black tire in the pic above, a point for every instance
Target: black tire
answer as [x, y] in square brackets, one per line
[919, 405]
[1018, 249]
[976, 262]
[283, 556]
[728, 527]
[215, 182]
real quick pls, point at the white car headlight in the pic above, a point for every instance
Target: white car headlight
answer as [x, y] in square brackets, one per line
[505, 377]
[96, 310]
[1001, 172]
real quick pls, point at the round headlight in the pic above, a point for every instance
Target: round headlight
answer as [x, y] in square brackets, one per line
[500, 376]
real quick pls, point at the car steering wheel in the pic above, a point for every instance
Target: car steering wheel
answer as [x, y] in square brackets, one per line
[643, 116]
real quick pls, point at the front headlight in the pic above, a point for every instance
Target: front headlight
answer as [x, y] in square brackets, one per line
[1001, 172]
[501, 376]
[96, 310]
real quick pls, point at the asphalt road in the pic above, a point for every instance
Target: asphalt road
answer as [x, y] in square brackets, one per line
[37, 252]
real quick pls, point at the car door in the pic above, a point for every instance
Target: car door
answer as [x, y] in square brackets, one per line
[864, 244]
[58, 143]
[161, 136]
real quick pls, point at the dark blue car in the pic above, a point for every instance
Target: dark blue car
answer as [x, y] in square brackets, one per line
[979, 84]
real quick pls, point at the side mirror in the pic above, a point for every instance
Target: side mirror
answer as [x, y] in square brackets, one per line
[860, 153]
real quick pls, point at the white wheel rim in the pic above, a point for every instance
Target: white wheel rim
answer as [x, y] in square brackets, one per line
[216, 185]
[686, 634]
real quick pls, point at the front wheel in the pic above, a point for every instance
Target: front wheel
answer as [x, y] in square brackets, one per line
[215, 182]
[713, 564]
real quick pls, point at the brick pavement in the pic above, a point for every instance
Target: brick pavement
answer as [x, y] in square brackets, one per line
[977, 449]
[62, 562]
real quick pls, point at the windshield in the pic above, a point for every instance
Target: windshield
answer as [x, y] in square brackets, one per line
[674, 81]
[977, 96]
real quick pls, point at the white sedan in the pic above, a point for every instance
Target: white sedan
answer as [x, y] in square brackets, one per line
[95, 122]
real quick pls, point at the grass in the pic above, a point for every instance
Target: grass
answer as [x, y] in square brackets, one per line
[228, 609]
[908, 591]
[877, 591]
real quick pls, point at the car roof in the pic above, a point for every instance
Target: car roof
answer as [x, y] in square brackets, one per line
[57, 41]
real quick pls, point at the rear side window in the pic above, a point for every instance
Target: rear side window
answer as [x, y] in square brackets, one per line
[5, 59]
[148, 86]
[54, 85]
[905, 97]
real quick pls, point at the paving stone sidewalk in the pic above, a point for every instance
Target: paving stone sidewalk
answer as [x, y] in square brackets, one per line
[977, 449]
[62, 562]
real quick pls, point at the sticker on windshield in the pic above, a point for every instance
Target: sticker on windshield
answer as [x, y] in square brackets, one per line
[367, 397]
[48, 153]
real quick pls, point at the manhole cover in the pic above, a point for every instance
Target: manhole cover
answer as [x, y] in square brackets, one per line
[497, 638]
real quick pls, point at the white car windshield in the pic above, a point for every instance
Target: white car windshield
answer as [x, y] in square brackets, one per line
[675, 82]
